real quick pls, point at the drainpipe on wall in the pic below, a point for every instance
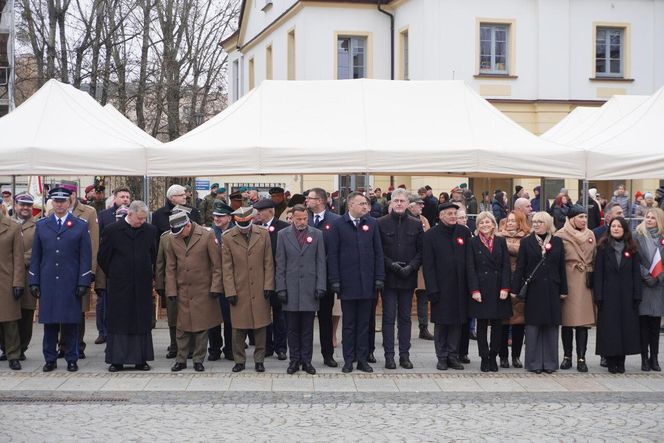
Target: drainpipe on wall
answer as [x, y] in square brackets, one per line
[391, 16]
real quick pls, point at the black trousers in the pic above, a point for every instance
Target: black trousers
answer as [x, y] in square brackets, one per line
[518, 332]
[276, 332]
[489, 349]
[372, 327]
[300, 335]
[446, 340]
[325, 325]
[464, 339]
[566, 335]
[396, 301]
[214, 334]
[649, 334]
[355, 329]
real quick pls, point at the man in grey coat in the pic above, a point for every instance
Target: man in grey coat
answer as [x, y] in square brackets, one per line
[301, 281]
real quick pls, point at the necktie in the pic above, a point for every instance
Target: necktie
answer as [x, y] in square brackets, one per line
[59, 224]
[357, 222]
[316, 220]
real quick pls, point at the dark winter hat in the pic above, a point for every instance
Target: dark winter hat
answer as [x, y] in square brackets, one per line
[447, 205]
[576, 210]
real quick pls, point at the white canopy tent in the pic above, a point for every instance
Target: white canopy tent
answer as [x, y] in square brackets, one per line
[578, 116]
[128, 127]
[61, 130]
[363, 126]
[632, 147]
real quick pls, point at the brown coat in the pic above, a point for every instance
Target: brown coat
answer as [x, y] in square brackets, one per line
[12, 268]
[28, 231]
[248, 272]
[160, 265]
[193, 271]
[513, 243]
[578, 308]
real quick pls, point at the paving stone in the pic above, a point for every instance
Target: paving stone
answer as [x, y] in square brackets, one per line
[243, 383]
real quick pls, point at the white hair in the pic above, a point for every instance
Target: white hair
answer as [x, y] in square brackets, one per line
[402, 192]
[138, 206]
[173, 190]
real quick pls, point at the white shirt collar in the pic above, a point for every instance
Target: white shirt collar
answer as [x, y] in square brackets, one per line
[321, 215]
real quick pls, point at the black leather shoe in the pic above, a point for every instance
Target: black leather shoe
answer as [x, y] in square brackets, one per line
[61, 354]
[425, 334]
[405, 363]
[484, 365]
[293, 367]
[260, 367]
[516, 362]
[308, 368]
[536, 371]
[654, 364]
[142, 367]
[214, 356]
[100, 340]
[621, 367]
[22, 357]
[371, 358]
[3, 357]
[81, 355]
[454, 363]
[504, 363]
[364, 367]
[581, 365]
[549, 371]
[348, 368]
[14, 365]
[567, 363]
[389, 363]
[645, 363]
[72, 366]
[493, 366]
[49, 366]
[281, 356]
[177, 367]
[115, 368]
[198, 367]
[613, 369]
[331, 362]
[171, 354]
[239, 367]
[442, 365]
[464, 359]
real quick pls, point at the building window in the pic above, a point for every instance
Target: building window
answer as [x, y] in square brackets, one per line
[493, 49]
[252, 78]
[268, 63]
[351, 57]
[290, 75]
[609, 50]
[405, 75]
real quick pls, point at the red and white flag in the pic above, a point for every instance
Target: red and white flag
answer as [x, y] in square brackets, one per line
[657, 267]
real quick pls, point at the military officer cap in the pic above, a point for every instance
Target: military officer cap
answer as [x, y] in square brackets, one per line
[276, 190]
[236, 196]
[25, 199]
[70, 186]
[242, 189]
[244, 213]
[265, 203]
[181, 208]
[59, 193]
[447, 205]
[221, 190]
[214, 185]
[178, 221]
[221, 208]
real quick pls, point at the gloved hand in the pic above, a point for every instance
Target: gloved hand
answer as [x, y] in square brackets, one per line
[319, 295]
[232, 299]
[18, 293]
[636, 303]
[379, 285]
[215, 294]
[267, 294]
[434, 297]
[335, 287]
[81, 291]
[395, 267]
[282, 296]
[406, 271]
[650, 281]
[34, 290]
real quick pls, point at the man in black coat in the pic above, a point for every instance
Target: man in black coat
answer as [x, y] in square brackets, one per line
[175, 195]
[127, 256]
[356, 272]
[444, 258]
[321, 218]
[401, 236]
[276, 332]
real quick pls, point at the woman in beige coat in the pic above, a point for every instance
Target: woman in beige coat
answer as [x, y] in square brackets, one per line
[513, 230]
[578, 312]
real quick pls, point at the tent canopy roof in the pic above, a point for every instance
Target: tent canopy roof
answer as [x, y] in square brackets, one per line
[363, 126]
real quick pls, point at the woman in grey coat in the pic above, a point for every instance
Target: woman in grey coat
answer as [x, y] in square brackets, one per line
[650, 236]
[300, 281]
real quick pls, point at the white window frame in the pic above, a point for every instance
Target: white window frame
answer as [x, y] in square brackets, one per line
[351, 67]
[495, 27]
[607, 51]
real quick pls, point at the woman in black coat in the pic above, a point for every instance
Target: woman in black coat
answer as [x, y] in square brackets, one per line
[545, 290]
[617, 294]
[488, 272]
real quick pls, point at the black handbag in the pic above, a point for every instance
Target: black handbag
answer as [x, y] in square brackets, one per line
[590, 279]
[523, 292]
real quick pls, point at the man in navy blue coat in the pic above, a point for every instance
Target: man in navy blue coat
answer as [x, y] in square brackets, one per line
[60, 274]
[321, 218]
[356, 272]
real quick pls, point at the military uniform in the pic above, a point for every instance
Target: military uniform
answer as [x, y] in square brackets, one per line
[12, 281]
[160, 286]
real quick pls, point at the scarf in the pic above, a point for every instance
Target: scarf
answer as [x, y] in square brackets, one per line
[580, 243]
[301, 236]
[542, 242]
[488, 241]
[618, 248]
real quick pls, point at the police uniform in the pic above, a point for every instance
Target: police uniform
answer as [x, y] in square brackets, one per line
[60, 274]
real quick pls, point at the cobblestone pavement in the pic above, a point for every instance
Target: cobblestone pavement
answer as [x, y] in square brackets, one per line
[419, 405]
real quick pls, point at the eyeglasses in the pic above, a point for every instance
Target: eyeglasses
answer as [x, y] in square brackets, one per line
[538, 222]
[311, 198]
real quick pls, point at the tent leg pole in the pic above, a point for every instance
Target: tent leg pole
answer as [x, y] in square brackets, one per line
[584, 193]
[146, 194]
[13, 186]
[542, 194]
[301, 183]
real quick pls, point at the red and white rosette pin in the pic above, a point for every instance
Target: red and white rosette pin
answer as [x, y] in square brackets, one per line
[69, 224]
[309, 239]
[661, 242]
[365, 228]
[271, 229]
[548, 247]
[627, 254]
[590, 240]
[459, 241]
[327, 227]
